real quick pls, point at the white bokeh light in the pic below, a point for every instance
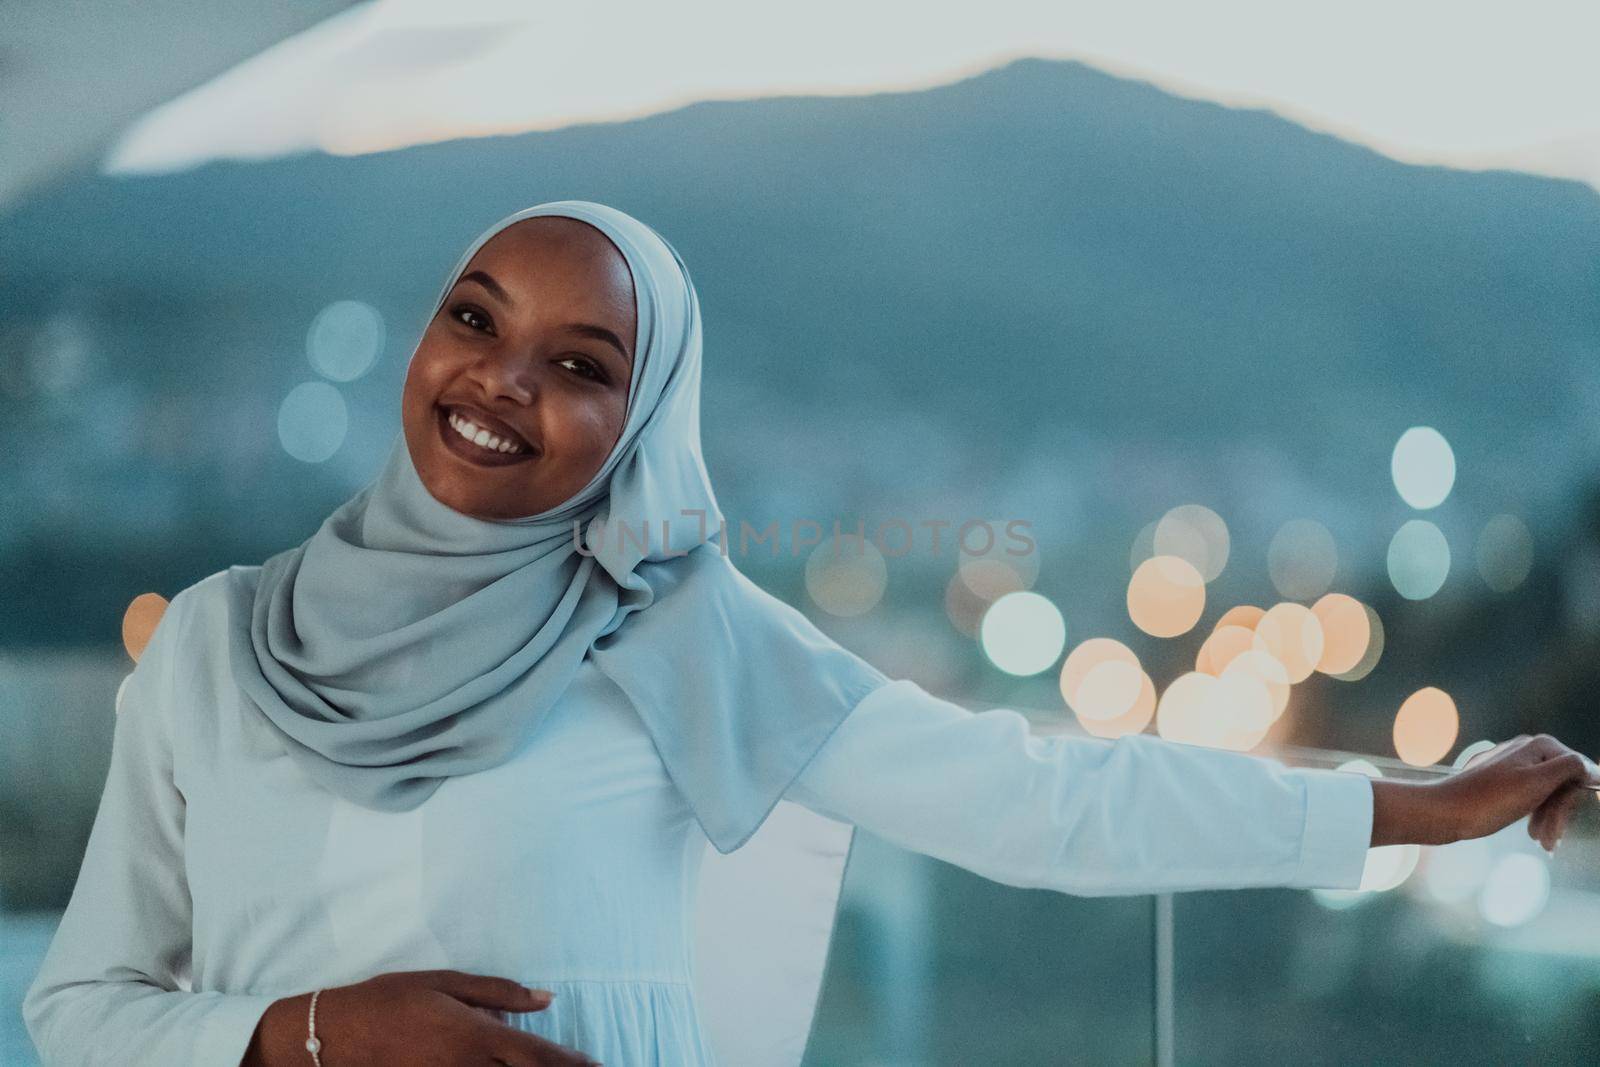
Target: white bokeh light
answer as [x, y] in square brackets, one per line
[1516, 890]
[1195, 533]
[312, 422]
[1455, 872]
[1023, 633]
[1423, 467]
[1419, 560]
[345, 340]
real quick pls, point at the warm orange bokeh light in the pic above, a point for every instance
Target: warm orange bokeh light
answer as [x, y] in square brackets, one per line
[1100, 679]
[1220, 649]
[1373, 652]
[1184, 712]
[1269, 672]
[1131, 722]
[963, 607]
[1426, 726]
[139, 622]
[1166, 596]
[1234, 711]
[1346, 632]
[1246, 615]
[1290, 634]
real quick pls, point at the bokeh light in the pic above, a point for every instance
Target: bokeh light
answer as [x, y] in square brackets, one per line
[1246, 615]
[345, 340]
[1184, 712]
[962, 606]
[1374, 651]
[1144, 545]
[1133, 721]
[1233, 711]
[139, 622]
[1472, 752]
[1291, 634]
[1426, 726]
[1109, 697]
[1516, 890]
[846, 576]
[1346, 632]
[1419, 560]
[1455, 872]
[1222, 647]
[1267, 671]
[1022, 633]
[1505, 553]
[1302, 559]
[1166, 596]
[1360, 765]
[312, 422]
[1388, 866]
[1195, 533]
[998, 568]
[1423, 467]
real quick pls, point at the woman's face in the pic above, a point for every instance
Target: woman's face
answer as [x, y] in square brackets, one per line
[533, 346]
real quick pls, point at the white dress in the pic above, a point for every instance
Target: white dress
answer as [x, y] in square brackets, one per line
[219, 878]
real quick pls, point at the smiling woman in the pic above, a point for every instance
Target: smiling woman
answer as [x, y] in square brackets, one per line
[363, 794]
[519, 387]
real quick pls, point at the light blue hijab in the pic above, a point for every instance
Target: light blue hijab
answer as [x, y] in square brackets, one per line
[405, 642]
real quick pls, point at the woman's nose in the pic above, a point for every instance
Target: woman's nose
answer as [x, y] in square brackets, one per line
[506, 373]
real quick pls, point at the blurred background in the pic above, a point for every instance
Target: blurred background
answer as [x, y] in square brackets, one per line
[1279, 330]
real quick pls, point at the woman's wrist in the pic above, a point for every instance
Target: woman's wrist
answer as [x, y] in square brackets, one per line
[1410, 813]
[280, 1037]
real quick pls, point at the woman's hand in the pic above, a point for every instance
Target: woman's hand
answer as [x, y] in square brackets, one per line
[411, 1019]
[1536, 776]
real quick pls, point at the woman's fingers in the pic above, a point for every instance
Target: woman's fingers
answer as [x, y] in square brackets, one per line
[488, 991]
[1549, 821]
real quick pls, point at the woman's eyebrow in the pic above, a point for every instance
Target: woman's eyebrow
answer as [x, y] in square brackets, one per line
[584, 329]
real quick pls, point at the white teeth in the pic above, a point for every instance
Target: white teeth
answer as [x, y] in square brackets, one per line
[479, 436]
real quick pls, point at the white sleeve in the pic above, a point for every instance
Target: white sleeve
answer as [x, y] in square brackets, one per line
[1080, 814]
[107, 991]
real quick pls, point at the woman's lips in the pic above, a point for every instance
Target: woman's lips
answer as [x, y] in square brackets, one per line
[473, 453]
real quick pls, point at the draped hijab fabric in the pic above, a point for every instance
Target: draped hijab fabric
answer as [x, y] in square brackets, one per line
[405, 642]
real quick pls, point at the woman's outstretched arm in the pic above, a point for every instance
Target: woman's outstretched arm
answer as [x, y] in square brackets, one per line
[107, 991]
[1135, 815]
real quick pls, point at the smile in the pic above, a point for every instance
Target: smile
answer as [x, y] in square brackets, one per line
[477, 445]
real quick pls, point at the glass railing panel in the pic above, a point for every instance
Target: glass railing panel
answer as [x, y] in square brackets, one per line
[932, 965]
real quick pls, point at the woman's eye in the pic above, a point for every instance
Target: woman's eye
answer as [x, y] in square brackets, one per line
[471, 317]
[584, 368]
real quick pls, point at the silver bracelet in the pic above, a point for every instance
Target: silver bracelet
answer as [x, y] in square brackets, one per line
[313, 1045]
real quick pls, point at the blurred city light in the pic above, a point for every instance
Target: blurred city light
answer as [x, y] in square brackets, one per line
[1426, 726]
[312, 421]
[1419, 560]
[1302, 559]
[1423, 467]
[1023, 633]
[1374, 650]
[345, 340]
[1194, 533]
[1166, 596]
[1292, 635]
[139, 622]
[847, 575]
[1346, 632]
[1455, 872]
[1505, 553]
[1516, 889]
